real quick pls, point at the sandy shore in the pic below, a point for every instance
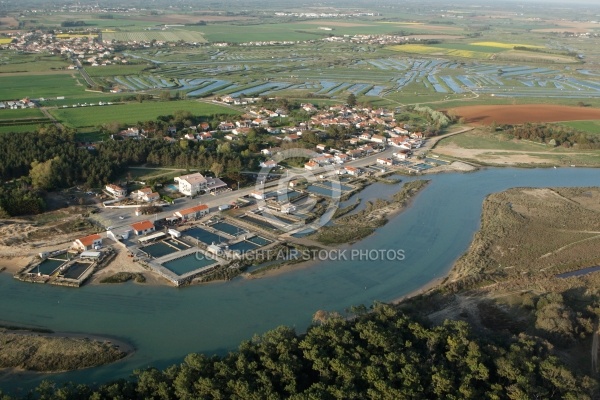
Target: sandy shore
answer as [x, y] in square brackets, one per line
[12, 265]
[123, 263]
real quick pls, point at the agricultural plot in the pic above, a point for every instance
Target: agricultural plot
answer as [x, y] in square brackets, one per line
[37, 86]
[159, 36]
[585, 126]
[325, 69]
[133, 112]
[18, 128]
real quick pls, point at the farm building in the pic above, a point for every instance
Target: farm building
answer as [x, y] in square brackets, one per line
[192, 212]
[88, 242]
[143, 227]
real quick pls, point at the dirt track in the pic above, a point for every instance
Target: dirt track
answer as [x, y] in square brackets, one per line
[519, 114]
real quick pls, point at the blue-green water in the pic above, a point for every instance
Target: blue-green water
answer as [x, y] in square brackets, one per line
[189, 263]
[158, 249]
[48, 266]
[165, 323]
[205, 236]
[259, 240]
[228, 228]
[76, 270]
[243, 246]
[323, 191]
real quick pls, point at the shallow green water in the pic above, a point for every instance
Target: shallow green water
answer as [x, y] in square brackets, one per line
[166, 323]
[189, 263]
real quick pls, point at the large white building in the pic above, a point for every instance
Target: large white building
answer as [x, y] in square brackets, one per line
[191, 184]
[115, 190]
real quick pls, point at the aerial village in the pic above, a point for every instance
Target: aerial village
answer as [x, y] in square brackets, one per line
[197, 224]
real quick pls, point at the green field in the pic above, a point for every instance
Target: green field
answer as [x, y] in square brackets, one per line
[21, 114]
[305, 30]
[36, 86]
[585, 126]
[480, 139]
[18, 128]
[469, 47]
[158, 35]
[133, 112]
[116, 70]
[13, 62]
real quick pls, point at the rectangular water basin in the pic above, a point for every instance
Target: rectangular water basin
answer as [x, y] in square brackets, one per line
[158, 249]
[243, 246]
[228, 228]
[76, 270]
[205, 236]
[259, 222]
[261, 241]
[189, 263]
[48, 266]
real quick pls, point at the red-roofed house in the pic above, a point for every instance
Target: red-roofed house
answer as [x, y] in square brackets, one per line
[192, 212]
[311, 165]
[385, 161]
[88, 242]
[116, 191]
[143, 227]
[145, 194]
[352, 171]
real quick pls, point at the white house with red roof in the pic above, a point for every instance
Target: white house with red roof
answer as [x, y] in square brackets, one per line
[352, 171]
[192, 212]
[385, 161]
[311, 165]
[88, 242]
[143, 227]
[116, 191]
[268, 164]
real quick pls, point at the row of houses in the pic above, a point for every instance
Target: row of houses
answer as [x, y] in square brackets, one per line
[188, 185]
[17, 104]
[94, 241]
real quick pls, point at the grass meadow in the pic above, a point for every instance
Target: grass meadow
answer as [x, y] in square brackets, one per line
[36, 86]
[129, 113]
[26, 113]
[585, 126]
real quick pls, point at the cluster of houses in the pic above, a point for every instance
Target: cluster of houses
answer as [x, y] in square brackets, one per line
[188, 185]
[17, 104]
[83, 47]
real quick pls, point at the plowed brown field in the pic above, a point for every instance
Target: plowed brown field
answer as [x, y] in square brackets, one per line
[519, 114]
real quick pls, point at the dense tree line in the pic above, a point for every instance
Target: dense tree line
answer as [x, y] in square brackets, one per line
[51, 159]
[554, 135]
[379, 355]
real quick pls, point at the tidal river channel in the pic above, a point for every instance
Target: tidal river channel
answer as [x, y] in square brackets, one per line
[164, 324]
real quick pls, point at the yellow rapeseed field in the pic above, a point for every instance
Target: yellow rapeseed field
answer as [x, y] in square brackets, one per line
[418, 48]
[469, 54]
[423, 49]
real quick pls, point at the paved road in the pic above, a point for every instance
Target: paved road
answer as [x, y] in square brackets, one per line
[110, 217]
[51, 117]
[84, 73]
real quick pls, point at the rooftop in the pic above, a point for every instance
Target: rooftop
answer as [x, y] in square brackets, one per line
[142, 226]
[89, 240]
[194, 209]
[193, 179]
